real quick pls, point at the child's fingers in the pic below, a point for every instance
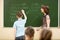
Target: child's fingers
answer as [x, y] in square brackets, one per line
[22, 11]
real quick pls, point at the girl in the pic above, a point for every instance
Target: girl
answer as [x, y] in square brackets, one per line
[19, 25]
[46, 17]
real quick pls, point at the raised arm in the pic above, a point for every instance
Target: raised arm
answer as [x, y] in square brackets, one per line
[24, 14]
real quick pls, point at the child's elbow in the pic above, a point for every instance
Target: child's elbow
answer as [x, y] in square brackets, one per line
[26, 18]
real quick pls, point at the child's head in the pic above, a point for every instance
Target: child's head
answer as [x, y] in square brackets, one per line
[46, 35]
[19, 14]
[45, 9]
[29, 32]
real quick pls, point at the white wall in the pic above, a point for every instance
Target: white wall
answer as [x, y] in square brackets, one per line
[1, 13]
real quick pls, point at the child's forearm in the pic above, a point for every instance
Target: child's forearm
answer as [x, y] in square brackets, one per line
[24, 14]
[48, 23]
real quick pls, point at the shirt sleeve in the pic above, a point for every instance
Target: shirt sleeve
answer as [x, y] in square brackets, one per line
[25, 20]
[14, 25]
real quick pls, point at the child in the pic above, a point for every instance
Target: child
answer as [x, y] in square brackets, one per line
[46, 17]
[29, 33]
[46, 35]
[19, 25]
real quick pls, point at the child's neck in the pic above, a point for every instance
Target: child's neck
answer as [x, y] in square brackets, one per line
[19, 18]
[28, 38]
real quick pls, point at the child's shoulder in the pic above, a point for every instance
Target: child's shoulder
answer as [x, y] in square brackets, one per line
[16, 21]
[47, 16]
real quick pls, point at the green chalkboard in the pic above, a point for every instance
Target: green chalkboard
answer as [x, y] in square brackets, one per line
[32, 10]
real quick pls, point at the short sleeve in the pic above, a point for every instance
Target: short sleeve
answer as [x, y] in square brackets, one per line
[25, 20]
[14, 25]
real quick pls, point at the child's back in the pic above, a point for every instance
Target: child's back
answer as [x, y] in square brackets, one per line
[19, 25]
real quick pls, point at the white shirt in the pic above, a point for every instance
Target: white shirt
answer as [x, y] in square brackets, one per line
[19, 26]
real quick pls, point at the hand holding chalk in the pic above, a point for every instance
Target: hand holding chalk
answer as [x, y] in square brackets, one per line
[24, 14]
[23, 11]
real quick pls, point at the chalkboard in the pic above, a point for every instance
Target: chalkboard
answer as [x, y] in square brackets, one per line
[32, 10]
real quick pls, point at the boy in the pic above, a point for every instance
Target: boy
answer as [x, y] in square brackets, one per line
[29, 33]
[19, 25]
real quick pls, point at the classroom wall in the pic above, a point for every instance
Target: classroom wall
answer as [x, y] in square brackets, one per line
[1, 13]
[8, 33]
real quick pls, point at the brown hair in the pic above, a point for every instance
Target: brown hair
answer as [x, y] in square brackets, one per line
[19, 14]
[29, 31]
[46, 35]
[46, 9]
